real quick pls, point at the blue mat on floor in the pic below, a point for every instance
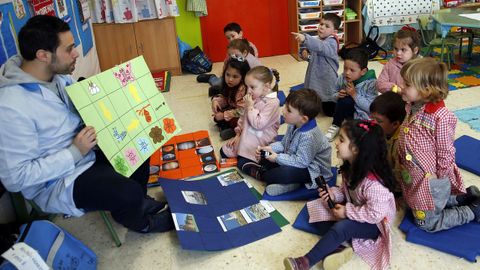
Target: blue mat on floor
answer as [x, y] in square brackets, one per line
[462, 241]
[301, 222]
[467, 155]
[301, 194]
[297, 87]
[281, 96]
[471, 116]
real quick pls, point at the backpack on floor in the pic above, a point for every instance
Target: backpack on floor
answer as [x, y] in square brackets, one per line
[195, 61]
[369, 45]
[58, 248]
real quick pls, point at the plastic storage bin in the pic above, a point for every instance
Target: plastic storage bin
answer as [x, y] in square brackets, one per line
[332, 2]
[308, 3]
[309, 15]
[309, 27]
[338, 12]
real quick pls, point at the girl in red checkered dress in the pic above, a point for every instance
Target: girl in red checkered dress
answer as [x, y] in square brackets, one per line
[431, 182]
[364, 205]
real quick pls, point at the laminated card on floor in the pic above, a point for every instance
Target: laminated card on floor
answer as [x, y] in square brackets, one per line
[219, 212]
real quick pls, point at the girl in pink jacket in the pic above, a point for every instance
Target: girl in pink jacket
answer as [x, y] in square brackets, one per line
[258, 126]
[363, 207]
[406, 46]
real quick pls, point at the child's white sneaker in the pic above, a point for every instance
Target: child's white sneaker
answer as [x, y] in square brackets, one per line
[332, 132]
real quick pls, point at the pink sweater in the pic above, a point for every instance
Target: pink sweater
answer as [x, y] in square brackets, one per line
[258, 126]
[390, 76]
[371, 202]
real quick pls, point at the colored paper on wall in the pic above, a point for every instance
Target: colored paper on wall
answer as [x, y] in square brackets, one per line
[129, 114]
[184, 156]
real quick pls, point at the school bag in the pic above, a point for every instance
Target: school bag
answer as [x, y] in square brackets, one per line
[195, 61]
[58, 248]
[369, 45]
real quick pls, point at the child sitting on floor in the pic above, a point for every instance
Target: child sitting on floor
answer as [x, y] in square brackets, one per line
[228, 106]
[388, 110]
[322, 66]
[302, 155]
[364, 206]
[431, 182]
[258, 126]
[238, 49]
[356, 90]
[406, 46]
[232, 31]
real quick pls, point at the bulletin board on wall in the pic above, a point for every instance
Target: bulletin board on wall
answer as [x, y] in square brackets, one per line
[15, 13]
[264, 22]
[394, 12]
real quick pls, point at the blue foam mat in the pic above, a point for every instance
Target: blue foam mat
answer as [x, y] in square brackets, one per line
[462, 241]
[301, 222]
[281, 96]
[301, 194]
[219, 201]
[467, 155]
[297, 87]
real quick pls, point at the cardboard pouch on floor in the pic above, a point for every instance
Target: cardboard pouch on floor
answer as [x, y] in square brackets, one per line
[44, 245]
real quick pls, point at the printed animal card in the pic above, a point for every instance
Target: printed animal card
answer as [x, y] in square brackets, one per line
[129, 114]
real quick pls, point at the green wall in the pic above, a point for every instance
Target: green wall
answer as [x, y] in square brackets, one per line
[188, 26]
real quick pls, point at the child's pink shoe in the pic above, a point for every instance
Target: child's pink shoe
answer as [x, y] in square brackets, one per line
[300, 263]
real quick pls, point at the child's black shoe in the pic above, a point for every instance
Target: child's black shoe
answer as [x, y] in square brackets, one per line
[203, 78]
[475, 207]
[214, 90]
[473, 193]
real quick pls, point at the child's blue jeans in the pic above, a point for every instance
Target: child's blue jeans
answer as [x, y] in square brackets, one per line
[341, 231]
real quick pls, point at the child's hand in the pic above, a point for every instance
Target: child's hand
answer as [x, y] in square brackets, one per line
[267, 148]
[304, 54]
[323, 194]
[218, 116]
[248, 99]
[350, 89]
[233, 141]
[272, 157]
[339, 211]
[228, 115]
[216, 106]
[85, 140]
[298, 37]
[342, 93]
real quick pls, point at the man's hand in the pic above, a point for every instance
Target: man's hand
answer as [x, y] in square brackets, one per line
[85, 140]
[298, 37]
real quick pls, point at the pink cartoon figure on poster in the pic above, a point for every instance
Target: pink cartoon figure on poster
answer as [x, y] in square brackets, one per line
[127, 14]
[124, 75]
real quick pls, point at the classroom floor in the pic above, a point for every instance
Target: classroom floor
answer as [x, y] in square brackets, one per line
[191, 106]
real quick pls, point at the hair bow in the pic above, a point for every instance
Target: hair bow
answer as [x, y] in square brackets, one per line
[408, 28]
[238, 58]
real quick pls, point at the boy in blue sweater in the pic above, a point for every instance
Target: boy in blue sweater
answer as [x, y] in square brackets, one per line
[355, 91]
[302, 155]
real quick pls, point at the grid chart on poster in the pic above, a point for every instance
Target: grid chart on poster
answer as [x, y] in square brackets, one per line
[394, 12]
[129, 114]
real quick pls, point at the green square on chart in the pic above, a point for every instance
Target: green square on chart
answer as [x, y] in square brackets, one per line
[119, 101]
[78, 96]
[91, 117]
[148, 86]
[108, 81]
[134, 94]
[145, 113]
[139, 67]
[93, 88]
[132, 123]
[106, 111]
[119, 134]
[106, 143]
[144, 145]
[121, 165]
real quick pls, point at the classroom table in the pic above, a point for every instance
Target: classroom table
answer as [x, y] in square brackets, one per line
[447, 20]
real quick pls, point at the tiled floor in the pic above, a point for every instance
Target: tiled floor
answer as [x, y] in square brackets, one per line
[191, 106]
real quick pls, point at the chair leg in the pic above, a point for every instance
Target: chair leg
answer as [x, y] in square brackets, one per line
[448, 57]
[110, 228]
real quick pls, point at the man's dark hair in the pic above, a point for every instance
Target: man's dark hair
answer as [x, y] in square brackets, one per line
[306, 101]
[359, 56]
[390, 105]
[233, 26]
[40, 33]
[332, 17]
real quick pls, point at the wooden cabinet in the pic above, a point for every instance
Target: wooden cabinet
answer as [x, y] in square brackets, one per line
[156, 40]
[304, 17]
